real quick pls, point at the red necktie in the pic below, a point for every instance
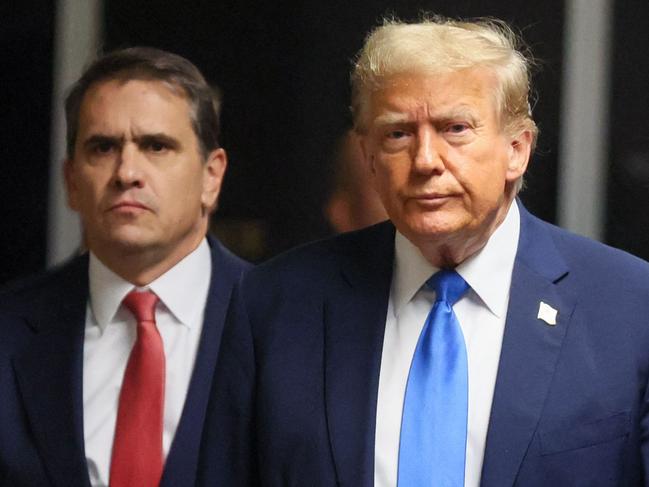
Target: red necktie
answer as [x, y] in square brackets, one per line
[137, 447]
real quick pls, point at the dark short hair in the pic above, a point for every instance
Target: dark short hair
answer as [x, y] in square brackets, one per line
[146, 63]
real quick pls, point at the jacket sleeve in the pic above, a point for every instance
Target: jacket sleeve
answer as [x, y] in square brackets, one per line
[228, 453]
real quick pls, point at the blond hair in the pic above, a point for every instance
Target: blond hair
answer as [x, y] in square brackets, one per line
[437, 45]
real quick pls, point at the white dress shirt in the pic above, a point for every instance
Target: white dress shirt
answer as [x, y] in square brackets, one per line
[109, 337]
[481, 314]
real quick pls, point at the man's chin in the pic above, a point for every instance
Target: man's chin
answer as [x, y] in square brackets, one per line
[430, 229]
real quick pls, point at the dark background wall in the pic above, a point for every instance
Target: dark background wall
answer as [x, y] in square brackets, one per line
[26, 34]
[283, 69]
[284, 74]
[628, 189]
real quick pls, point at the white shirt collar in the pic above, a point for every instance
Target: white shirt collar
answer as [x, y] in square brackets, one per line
[488, 271]
[177, 288]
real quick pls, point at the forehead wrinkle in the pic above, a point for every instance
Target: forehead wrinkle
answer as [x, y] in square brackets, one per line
[392, 117]
[462, 111]
[438, 100]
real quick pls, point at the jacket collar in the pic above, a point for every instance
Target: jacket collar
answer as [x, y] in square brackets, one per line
[354, 318]
[530, 350]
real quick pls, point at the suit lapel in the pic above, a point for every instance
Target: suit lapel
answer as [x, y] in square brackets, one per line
[529, 352]
[354, 317]
[180, 467]
[49, 377]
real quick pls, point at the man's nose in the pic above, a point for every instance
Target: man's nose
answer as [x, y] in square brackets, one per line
[428, 154]
[129, 168]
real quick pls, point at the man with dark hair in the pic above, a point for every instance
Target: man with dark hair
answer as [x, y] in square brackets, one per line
[105, 362]
[462, 343]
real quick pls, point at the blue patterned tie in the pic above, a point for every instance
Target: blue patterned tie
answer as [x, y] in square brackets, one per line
[432, 446]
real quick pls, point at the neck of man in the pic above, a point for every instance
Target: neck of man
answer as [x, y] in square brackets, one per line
[141, 266]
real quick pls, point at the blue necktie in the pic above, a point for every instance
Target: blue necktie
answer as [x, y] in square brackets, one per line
[432, 446]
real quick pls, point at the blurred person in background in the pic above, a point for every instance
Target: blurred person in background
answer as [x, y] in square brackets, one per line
[353, 203]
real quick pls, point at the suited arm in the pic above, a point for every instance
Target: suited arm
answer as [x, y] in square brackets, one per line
[14, 444]
[228, 456]
[644, 435]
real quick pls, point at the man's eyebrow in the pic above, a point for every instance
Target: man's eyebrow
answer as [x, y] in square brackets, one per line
[396, 118]
[391, 118]
[159, 137]
[98, 139]
[463, 112]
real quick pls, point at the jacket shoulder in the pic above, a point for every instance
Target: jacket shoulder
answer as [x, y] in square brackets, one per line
[596, 264]
[222, 256]
[322, 257]
[22, 295]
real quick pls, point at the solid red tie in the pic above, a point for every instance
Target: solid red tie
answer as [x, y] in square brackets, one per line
[137, 448]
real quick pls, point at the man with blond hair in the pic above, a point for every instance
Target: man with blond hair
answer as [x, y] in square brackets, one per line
[462, 343]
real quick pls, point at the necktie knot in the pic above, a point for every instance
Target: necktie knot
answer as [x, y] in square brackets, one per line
[142, 305]
[448, 286]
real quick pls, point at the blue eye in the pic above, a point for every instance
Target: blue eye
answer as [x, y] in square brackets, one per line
[157, 146]
[456, 128]
[103, 147]
[397, 134]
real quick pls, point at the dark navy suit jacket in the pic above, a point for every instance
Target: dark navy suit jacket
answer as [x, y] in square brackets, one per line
[42, 325]
[294, 400]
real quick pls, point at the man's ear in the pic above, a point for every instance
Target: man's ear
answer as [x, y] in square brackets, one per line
[71, 185]
[213, 172]
[519, 155]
